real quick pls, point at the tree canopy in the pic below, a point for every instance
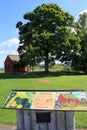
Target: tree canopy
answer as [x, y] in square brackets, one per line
[47, 35]
[80, 59]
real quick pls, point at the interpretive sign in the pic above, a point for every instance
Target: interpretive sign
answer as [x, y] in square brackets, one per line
[47, 100]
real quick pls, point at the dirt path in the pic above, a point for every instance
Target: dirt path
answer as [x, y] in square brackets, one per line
[7, 127]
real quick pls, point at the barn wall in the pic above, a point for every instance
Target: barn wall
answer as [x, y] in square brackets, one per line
[8, 65]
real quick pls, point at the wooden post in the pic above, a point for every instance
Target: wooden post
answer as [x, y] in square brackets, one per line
[35, 126]
[59, 120]
[65, 120]
[27, 120]
[43, 126]
[69, 121]
[52, 124]
[20, 119]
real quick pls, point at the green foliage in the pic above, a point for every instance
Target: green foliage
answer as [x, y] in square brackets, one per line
[46, 35]
[80, 58]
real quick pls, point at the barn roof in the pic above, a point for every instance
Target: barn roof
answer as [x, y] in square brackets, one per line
[69, 96]
[14, 57]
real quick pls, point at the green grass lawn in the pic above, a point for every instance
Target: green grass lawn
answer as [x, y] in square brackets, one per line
[40, 81]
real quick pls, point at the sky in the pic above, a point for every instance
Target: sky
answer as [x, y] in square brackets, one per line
[12, 11]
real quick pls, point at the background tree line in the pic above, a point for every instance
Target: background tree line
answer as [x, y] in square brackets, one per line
[51, 34]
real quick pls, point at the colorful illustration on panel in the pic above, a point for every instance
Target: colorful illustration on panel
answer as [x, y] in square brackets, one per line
[47, 100]
[19, 100]
[73, 100]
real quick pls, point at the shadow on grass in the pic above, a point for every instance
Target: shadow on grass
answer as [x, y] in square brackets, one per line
[37, 74]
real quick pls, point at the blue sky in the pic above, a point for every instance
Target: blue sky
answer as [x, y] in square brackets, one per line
[12, 11]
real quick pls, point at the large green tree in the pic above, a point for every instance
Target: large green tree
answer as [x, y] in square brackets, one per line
[46, 35]
[80, 58]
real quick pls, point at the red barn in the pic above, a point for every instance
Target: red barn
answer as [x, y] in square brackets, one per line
[68, 99]
[12, 65]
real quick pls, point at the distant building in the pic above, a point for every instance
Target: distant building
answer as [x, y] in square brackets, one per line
[12, 65]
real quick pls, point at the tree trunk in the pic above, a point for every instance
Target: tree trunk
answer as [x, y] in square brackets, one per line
[46, 62]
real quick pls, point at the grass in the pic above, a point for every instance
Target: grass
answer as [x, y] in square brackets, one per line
[39, 80]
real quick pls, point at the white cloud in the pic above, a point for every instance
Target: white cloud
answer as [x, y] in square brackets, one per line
[10, 42]
[2, 52]
[14, 52]
[84, 11]
[8, 52]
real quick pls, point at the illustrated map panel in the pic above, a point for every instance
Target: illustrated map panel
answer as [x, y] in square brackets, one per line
[47, 100]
